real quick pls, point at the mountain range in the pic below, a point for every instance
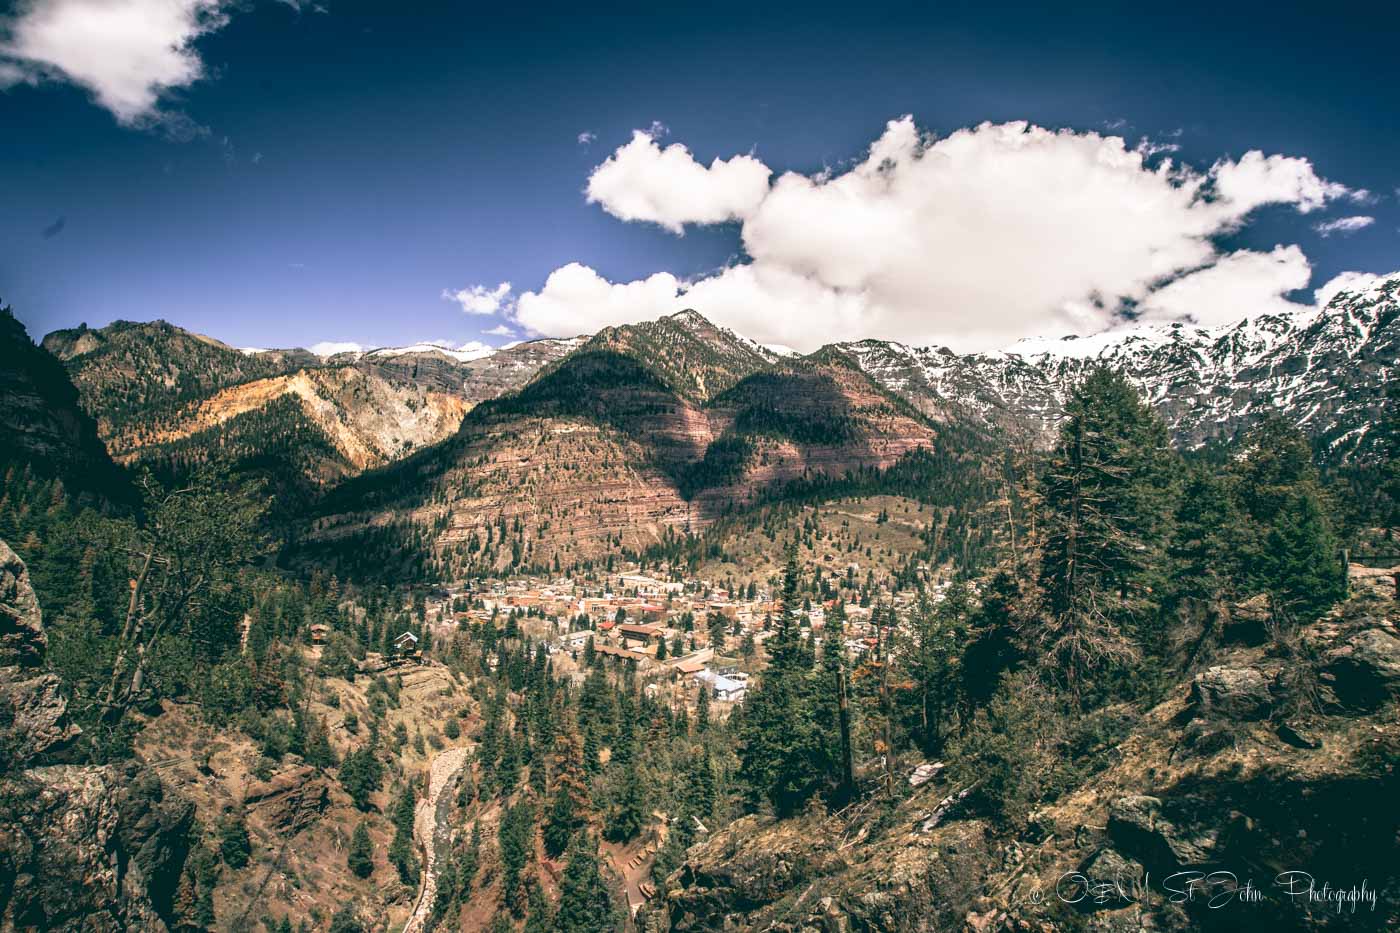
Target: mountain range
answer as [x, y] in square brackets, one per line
[1324, 369]
[560, 451]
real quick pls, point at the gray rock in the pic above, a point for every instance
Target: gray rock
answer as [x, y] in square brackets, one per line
[97, 848]
[22, 639]
[33, 714]
[1232, 693]
[1247, 623]
[1107, 880]
[1365, 671]
[1161, 835]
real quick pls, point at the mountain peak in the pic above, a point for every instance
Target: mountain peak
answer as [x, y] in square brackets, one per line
[691, 318]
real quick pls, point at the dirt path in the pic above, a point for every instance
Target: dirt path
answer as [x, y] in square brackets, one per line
[432, 831]
[633, 862]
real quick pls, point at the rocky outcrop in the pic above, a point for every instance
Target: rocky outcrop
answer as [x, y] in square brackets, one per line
[289, 802]
[368, 420]
[1364, 671]
[1232, 693]
[92, 848]
[1247, 622]
[33, 713]
[807, 873]
[1179, 834]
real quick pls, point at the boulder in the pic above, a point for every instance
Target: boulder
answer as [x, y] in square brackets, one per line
[22, 639]
[1241, 693]
[1296, 737]
[1364, 672]
[1107, 880]
[1163, 835]
[1247, 622]
[1207, 737]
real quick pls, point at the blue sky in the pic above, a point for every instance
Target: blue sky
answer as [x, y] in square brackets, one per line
[332, 170]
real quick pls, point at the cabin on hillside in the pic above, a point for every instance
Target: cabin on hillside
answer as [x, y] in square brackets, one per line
[406, 645]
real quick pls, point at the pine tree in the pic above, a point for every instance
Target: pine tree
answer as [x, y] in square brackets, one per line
[234, 844]
[345, 921]
[1300, 562]
[1294, 555]
[571, 804]
[700, 792]
[470, 861]
[1208, 538]
[777, 743]
[401, 849]
[514, 836]
[627, 817]
[932, 654]
[702, 710]
[360, 857]
[1107, 499]
[541, 917]
[585, 904]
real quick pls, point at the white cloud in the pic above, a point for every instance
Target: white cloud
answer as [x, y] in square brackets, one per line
[1239, 285]
[586, 137]
[1354, 282]
[500, 330]
[974, 240]
[576, 300]
[1149, 148]
[480, 299]
[642, 181]
[1344, 225]
[127, 53]
[1256, 180]
[332, 347]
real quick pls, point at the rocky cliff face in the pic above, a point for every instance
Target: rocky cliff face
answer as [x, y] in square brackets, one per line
[1325, 370]
[43, 425]
[33, 713]
[476, 380]
[366, 419]
[81, 847]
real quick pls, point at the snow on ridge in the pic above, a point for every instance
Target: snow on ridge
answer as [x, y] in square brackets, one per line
[471, 350]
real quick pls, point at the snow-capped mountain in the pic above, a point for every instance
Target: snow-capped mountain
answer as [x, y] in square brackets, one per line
[1325, 369]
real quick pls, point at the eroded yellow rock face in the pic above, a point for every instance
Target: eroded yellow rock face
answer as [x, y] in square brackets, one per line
[370, 420]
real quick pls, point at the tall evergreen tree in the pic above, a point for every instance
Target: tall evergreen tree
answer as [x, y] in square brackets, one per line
[1107, 503]
[585, 904]
[1293, 553]
[777, 741]
[570, 806]
[936, 638]
[360, 856]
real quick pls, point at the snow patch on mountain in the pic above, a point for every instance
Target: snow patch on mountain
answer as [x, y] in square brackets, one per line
[1324, 368]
